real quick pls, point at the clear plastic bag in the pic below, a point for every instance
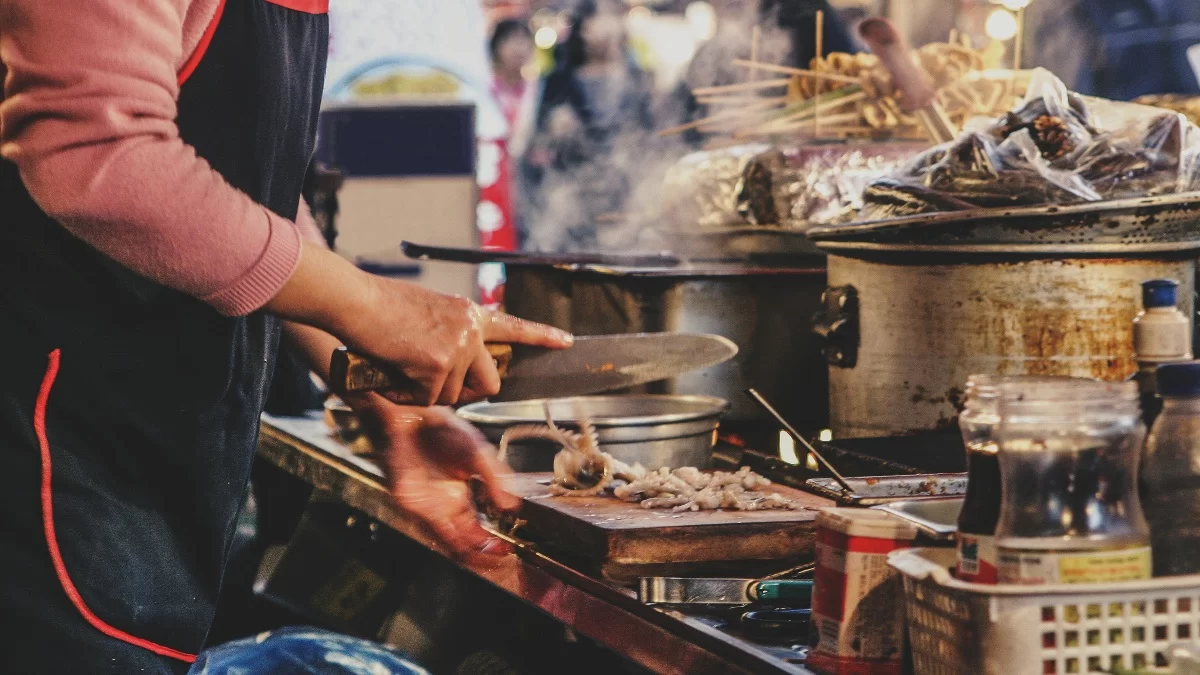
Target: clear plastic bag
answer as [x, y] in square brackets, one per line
[303, 651]
[1057, 147]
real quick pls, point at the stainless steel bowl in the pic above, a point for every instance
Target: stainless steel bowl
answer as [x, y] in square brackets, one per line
[654, 430]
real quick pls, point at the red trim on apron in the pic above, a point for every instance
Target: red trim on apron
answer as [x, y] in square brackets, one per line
[306, 6]
[60, 568]
[189, 66]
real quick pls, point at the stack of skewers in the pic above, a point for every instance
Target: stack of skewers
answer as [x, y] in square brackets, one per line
[844, 96]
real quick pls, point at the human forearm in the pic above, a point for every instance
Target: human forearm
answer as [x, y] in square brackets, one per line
[93, 131]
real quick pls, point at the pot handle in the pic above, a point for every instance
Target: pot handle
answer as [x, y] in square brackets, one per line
[837, 323]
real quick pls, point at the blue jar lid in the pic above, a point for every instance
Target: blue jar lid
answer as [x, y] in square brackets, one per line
[1159, 293]
[1178, 379]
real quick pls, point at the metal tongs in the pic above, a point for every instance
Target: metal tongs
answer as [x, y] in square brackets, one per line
[753, 393]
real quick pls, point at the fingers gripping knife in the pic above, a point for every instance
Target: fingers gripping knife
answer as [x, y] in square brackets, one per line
[591, 365]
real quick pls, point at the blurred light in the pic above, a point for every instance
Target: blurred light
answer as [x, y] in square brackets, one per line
[1001, 25]
[825, 436]
[546, 37]
[702, 18]
[639, 15]
[810, 462]
[1014, 5]
[787, 448]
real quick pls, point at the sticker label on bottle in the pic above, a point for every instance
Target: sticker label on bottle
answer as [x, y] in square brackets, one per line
[976, 558]
[1088, 567]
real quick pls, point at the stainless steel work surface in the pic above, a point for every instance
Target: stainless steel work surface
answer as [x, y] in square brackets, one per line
[661, 640]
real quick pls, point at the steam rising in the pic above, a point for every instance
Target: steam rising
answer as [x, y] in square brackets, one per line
[613, 202]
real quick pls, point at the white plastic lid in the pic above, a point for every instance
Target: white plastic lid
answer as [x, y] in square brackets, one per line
[866, 523]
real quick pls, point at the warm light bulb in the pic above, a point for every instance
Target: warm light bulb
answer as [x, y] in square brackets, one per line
[787, 448]
[545, 37]
[702, 18]
[1001, 25]
[639, 15]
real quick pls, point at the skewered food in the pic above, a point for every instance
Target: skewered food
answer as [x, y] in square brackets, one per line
[844, 95]
[582, 470]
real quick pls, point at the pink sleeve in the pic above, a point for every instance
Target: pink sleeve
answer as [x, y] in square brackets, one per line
[88, 116]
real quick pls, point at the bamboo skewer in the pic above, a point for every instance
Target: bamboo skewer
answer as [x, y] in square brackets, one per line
[755, 40]
[743, 86]
[721, 116]
[734, 100]
[820, 42]
[833, 77]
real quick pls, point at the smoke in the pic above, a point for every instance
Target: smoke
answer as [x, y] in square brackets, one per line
[601, 188]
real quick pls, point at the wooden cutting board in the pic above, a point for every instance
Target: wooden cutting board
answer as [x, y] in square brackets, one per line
[624, 541]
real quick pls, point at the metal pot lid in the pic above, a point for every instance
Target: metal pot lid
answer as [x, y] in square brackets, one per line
[605, 411]
[1159, 224]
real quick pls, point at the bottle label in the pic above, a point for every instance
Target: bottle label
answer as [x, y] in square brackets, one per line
[1088, 567]
[976, 558]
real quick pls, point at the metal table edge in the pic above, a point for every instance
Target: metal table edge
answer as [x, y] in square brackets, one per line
[666, 641]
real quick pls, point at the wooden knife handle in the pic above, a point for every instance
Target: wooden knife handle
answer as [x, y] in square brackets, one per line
[351, 373]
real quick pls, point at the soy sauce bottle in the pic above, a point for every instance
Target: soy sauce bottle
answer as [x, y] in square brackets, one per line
[981, 506]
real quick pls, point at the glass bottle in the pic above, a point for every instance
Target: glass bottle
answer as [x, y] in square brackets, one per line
[1170, 472]
[978, 422]
[1070, 512]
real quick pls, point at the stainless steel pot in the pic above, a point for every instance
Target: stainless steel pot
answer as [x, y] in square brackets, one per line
[764, 311]
[655, 431]
[905, 325]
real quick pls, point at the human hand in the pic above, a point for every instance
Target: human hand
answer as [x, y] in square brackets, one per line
[435, 340]
[428, 456]
[438, 341]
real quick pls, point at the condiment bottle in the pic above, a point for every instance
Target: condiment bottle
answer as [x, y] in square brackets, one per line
[1170, 472]
[1161, 334]
[1070, 511]
[981, 505]
[979, 421]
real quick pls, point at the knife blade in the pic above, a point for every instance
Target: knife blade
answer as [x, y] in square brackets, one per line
[699, 591]
[592, 365]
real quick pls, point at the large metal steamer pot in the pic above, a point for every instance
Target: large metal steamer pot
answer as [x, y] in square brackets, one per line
[907, 324]
[765, 311]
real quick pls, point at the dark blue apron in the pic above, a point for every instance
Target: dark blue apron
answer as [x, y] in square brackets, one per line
[1144, 47]
[129, 411]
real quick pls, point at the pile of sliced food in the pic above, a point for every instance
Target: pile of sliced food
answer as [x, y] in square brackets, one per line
[582, 470]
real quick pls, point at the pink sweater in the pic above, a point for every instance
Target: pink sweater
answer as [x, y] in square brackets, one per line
[88, 116]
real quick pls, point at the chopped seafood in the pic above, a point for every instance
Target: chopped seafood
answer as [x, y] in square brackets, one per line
[582, 470]
[689, 489]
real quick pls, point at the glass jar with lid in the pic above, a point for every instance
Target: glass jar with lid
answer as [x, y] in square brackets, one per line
[978, 422]
[1070, 511]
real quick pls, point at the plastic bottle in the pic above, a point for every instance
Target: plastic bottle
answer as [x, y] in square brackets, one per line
[1170, 472]
[1161, 334]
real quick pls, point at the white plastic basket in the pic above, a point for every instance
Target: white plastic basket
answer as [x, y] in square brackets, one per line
[958, 628]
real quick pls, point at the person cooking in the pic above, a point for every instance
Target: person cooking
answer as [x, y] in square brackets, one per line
[153, 247]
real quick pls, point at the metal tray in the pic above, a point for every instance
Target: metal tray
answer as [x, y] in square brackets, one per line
[1162, 223]
[936, 518]
[876, 490]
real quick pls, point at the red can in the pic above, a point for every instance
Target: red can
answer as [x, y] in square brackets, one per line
[858, 601]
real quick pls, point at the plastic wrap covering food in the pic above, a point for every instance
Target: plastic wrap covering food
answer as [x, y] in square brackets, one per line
[1057, 147]
[761, 185]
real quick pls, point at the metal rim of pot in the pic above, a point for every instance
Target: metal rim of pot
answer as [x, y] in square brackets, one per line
[705, 407]
[1137, 205]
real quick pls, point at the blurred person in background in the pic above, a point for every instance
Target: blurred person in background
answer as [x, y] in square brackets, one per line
[788, 38]
[595, 110]
[1117, 49]
[511, 49]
